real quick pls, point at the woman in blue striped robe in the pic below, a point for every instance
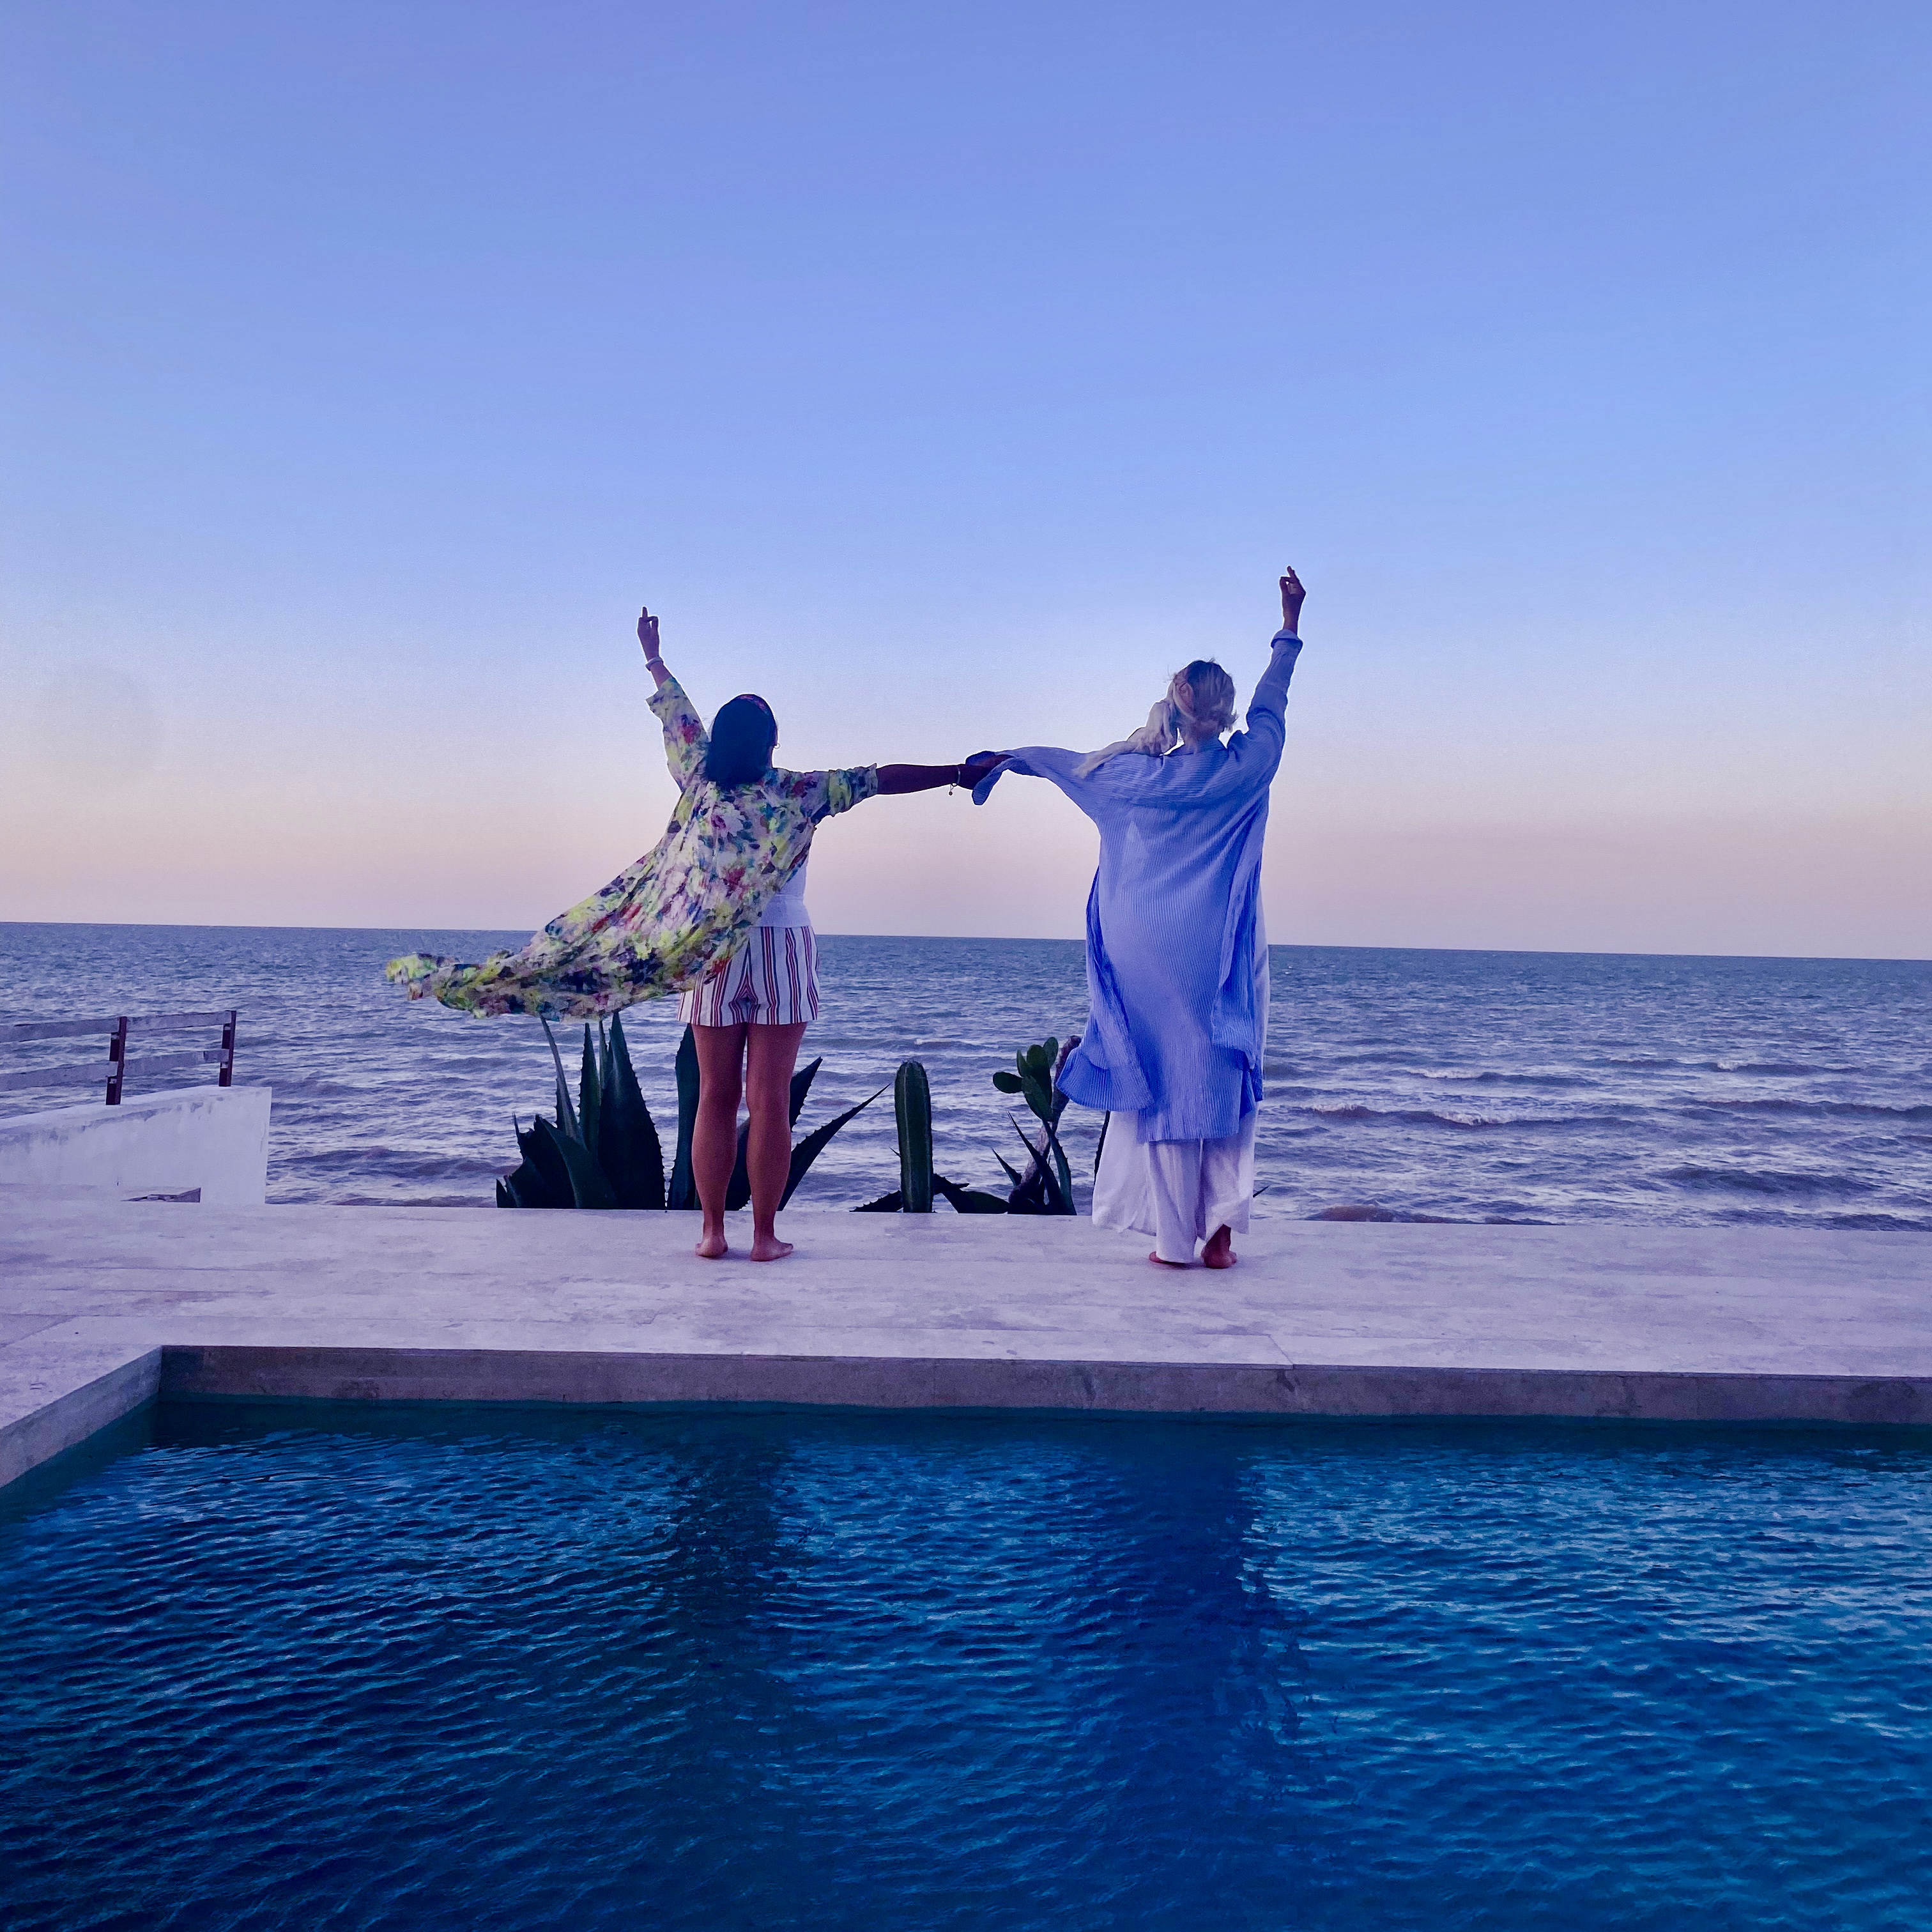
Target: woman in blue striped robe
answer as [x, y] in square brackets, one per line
[1177, 953]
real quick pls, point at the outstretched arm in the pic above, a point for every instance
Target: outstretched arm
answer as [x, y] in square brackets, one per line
[894, 779]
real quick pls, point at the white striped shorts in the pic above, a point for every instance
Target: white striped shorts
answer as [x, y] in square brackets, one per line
[771, 980]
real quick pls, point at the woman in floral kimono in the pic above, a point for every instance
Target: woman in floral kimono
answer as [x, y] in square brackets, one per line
[714, 914]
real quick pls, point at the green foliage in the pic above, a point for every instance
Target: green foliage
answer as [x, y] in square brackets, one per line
[542, 1179]
[601, 1152]
[628, 1146]
[919, 1181]
[589, 1186]
[912, 1102]
[683, 1190]
[968, 1200]
[1047, 1185]
[604, 1151]
[804, 1152]
[566, 1115]
[739, 1191]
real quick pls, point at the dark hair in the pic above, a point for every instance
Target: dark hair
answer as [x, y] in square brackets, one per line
[742, 735]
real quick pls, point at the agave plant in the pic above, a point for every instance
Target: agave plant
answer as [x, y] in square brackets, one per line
[803, 1152]
[604, 1151]
[912, 1103]
[1046, 1187]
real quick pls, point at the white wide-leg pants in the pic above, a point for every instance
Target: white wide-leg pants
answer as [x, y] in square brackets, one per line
[1179, 1191]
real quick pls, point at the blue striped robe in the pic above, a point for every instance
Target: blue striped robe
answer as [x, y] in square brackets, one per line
[1176, 990]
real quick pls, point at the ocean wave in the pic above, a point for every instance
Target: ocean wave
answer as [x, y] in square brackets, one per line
[1862, 1109]
[1423, 1116]
[404, 1163]
[1374, 1211]
[1794, 1067]
[1490, 1077]
[1764, 1181]
[1655, 1062]
[406, 1201]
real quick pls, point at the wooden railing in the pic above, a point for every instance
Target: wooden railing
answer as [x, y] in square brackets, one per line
[123, 1030]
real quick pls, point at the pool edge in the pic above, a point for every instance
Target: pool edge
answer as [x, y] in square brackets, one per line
[1069, 1387]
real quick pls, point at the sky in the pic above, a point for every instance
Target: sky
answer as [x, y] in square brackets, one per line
[949, 375]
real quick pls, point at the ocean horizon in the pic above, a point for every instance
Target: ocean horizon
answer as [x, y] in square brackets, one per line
[1457, 1083]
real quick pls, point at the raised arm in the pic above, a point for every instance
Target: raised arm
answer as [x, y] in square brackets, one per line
[686, 741]
[1270, 698]
[1292, 597]
[647, 636]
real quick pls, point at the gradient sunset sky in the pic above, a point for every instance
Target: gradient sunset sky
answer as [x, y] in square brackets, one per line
[948, 374]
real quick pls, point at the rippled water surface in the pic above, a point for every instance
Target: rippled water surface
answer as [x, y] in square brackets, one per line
[1549, 1087]
[442, 1669]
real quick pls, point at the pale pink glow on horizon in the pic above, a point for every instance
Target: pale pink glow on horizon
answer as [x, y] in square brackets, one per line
[267, 853]
[364, 374]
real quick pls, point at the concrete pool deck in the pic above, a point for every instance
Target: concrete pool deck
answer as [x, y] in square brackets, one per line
[106, 1305]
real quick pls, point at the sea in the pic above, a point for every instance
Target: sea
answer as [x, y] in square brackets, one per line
[1460, 1086]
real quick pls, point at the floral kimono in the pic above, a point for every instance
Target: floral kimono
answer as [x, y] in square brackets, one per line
[683, 910]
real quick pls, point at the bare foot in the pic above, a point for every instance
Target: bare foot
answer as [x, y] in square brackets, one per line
[1159, 1263]
[1219, 1251]
[769, 1248]
[713, 1248]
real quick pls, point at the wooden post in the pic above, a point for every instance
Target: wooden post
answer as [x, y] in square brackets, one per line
[117, 1053]
[226, 1078]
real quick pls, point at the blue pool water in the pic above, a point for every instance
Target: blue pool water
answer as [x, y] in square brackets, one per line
[308, 1668]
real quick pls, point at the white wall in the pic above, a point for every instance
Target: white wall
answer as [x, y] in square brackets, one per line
[213, 1138]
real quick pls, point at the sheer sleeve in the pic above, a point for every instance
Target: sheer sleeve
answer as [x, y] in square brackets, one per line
[825, 794]
[685, 740]
[1270, 698]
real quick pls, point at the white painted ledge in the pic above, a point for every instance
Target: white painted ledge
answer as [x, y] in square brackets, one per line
[105, 1305]
[214, 1139]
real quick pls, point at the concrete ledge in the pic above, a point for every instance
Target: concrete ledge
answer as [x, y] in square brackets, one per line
[104, 1304]
[212, 1139]
[1070, 1387]
[52, 1400]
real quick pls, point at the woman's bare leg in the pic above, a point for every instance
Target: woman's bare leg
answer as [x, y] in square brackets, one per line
[770, 1056]
[714, 1141]
[1219, 1251]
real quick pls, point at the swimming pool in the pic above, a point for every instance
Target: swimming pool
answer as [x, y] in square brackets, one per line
[441, 1668]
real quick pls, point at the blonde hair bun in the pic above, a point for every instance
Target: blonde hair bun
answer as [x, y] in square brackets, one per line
[1201, 694]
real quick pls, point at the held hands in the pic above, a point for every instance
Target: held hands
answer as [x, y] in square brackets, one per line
[976, 767]
[1291, 595]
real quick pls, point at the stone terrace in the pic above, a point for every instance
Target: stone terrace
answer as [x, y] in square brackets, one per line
[105, 1304]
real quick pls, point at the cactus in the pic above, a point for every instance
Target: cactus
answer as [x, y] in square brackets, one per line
[912, 1102]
